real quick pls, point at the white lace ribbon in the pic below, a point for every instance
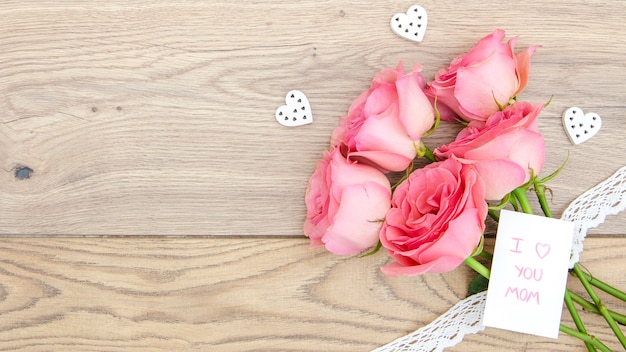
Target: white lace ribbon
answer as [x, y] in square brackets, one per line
[587, 211]
[590, 209]
[446, 331]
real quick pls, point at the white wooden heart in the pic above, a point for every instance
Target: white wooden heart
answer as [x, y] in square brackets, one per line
[410, 25]
[580, 126]
[297, 112]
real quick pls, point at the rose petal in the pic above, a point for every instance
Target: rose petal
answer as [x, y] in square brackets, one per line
[395, 269]
[457, 243]
[500, 176]
[523, 67]
[415, 111]
[479, 87]
[385, 161]
[358, 219]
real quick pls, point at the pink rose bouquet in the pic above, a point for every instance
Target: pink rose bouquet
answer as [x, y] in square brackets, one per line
[433, 219]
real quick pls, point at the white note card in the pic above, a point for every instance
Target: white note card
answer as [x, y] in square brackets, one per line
[528, 274]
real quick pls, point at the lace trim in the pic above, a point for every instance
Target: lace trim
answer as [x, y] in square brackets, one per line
[448, 330]
[587, 211]
[591, 208]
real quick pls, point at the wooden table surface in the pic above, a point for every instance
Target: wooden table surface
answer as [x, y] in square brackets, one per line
[165, 204]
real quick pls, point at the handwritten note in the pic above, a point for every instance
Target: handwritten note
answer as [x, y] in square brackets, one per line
[528, 274]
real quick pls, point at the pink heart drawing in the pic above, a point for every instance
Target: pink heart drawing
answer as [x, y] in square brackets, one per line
[542, 249]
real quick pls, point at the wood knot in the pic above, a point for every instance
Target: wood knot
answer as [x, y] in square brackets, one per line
[23, 172]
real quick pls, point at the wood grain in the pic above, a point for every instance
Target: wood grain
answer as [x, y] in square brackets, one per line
[157, 118]
[236, 295]
[150, 125]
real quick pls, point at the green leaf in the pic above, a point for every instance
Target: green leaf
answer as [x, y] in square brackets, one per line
[479, 249]
[478, 284]
[503, 203]
[437, 120]
[548, 102]
[500, 106]
[554, 174]
[379, 245]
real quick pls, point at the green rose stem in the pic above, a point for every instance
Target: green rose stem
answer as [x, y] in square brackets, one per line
[591, 340]
[494, 214]
[478, 267]
[577, 321]
[541, 196]
[601, 307]
[423, 151]
[620, 318]
[604, 286]
[520, 195]
[540, 190]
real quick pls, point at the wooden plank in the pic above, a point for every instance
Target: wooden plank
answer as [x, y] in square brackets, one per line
[157, 118]
[236, 295]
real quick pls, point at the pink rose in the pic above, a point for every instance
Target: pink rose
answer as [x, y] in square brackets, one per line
[346, 203]
[436, 220]
[504, 150]
[385, 123]
[473, 82]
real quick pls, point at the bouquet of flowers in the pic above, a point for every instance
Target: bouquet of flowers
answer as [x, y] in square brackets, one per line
[432, 219]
